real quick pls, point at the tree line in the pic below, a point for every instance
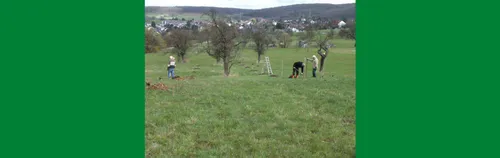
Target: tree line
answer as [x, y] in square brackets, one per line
[223, 41]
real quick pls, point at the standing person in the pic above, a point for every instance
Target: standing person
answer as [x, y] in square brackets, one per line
[315, 62]
[171, 67]
[314, 65]
[296, 67]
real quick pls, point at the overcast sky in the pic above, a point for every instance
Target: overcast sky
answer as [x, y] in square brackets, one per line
[245, 4]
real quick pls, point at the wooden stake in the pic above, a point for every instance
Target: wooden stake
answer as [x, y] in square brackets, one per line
[323, 72]
[305, 67]
[282, 68]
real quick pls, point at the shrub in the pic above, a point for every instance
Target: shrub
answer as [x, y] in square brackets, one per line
[153, 41]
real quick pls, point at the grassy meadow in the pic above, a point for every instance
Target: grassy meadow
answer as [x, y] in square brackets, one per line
[253, 115]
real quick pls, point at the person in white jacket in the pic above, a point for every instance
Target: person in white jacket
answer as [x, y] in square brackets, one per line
[315, 62]
[315, 65]
[171, 67]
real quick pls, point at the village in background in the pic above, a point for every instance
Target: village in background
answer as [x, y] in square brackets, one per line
[289, 19]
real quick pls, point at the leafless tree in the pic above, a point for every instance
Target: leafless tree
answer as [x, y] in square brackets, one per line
[308, 35]
[349, 31]
[180, 40]
[224, 41]
[285, 39]
[206, 45]
[260, 37]
[322, 41]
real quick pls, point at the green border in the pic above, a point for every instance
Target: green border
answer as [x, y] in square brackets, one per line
[427, 90]
[72, 78]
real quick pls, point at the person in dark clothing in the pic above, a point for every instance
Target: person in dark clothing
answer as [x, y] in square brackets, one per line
[296, 66]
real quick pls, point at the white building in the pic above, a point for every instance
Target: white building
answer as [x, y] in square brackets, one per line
[341, 24]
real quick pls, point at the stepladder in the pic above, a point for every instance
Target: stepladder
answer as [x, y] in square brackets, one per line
[268, 66]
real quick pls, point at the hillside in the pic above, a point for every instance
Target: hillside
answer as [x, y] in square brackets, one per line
[193, 9]
[336, 11]
[316, 10]
[249, 114]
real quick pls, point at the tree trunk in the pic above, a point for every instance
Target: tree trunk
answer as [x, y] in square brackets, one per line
[183, 59]
[322, 60]
[258, 58]
[226, 68]
[179, 57]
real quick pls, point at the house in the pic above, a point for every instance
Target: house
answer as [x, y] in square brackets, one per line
[341, 24]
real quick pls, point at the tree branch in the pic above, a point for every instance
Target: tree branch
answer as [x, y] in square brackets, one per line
[237, 44]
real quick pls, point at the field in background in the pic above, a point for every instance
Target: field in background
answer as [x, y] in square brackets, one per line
[186, 16]
[249, 114]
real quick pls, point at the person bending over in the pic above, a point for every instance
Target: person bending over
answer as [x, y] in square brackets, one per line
[296, 66]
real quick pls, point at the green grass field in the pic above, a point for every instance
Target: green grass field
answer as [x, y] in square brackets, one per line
[252, 115]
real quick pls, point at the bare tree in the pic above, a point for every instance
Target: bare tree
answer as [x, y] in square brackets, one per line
[203, 35]
[206, 44]
[180, 39]
[322, 41]
[260, 37]
[224, 41]
[246, 35]
[308, 35]
[349, 31]
[285, 39]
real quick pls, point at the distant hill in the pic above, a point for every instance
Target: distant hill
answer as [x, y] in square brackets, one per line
[193, 9]
[315, 10]
[336, 11]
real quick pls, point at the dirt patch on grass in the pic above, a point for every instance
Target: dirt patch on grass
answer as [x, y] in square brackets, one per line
[156, 86]
[179, 78]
